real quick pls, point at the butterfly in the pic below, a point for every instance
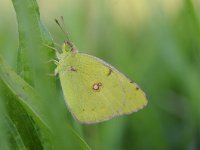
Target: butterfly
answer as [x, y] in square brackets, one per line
[94, 90]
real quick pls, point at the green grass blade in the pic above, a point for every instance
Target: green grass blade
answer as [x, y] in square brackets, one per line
[14, 137]
[22, 104]
[3, 142]
[21, 92]
[21, 89]
[33, 67]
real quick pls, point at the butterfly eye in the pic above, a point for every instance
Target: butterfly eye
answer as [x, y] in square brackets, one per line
[67, 46]
[68, 43]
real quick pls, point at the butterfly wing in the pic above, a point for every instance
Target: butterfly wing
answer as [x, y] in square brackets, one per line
[95, 91]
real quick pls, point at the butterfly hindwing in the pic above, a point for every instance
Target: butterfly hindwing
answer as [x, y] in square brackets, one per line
[95, 91]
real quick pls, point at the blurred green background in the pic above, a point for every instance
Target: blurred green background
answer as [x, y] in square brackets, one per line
[156, 43]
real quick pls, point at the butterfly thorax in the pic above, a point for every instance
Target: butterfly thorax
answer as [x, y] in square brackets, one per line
[68, 50]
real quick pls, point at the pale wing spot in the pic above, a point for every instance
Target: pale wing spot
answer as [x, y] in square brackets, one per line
[97, 86]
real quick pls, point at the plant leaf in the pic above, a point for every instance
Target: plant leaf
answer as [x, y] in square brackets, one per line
[33, 67]
[22, 104]
[21, 92]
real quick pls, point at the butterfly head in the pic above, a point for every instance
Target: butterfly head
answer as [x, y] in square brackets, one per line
[68, 47]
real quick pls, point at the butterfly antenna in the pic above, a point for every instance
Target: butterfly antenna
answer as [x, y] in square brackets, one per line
[63, 22]
[66, 33]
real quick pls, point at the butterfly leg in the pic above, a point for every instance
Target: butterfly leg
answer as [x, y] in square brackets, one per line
[54, 61]
[53, 74]
[51, 47]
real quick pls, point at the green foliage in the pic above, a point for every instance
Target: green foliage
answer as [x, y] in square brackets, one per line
[29, 103]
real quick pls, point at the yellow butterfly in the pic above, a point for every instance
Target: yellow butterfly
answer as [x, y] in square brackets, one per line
[94, 90]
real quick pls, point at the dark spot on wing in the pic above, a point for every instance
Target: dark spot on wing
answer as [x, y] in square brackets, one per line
[109, 69]
[83, 109]
[137, 88]
[72, 69]
[109, 72]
